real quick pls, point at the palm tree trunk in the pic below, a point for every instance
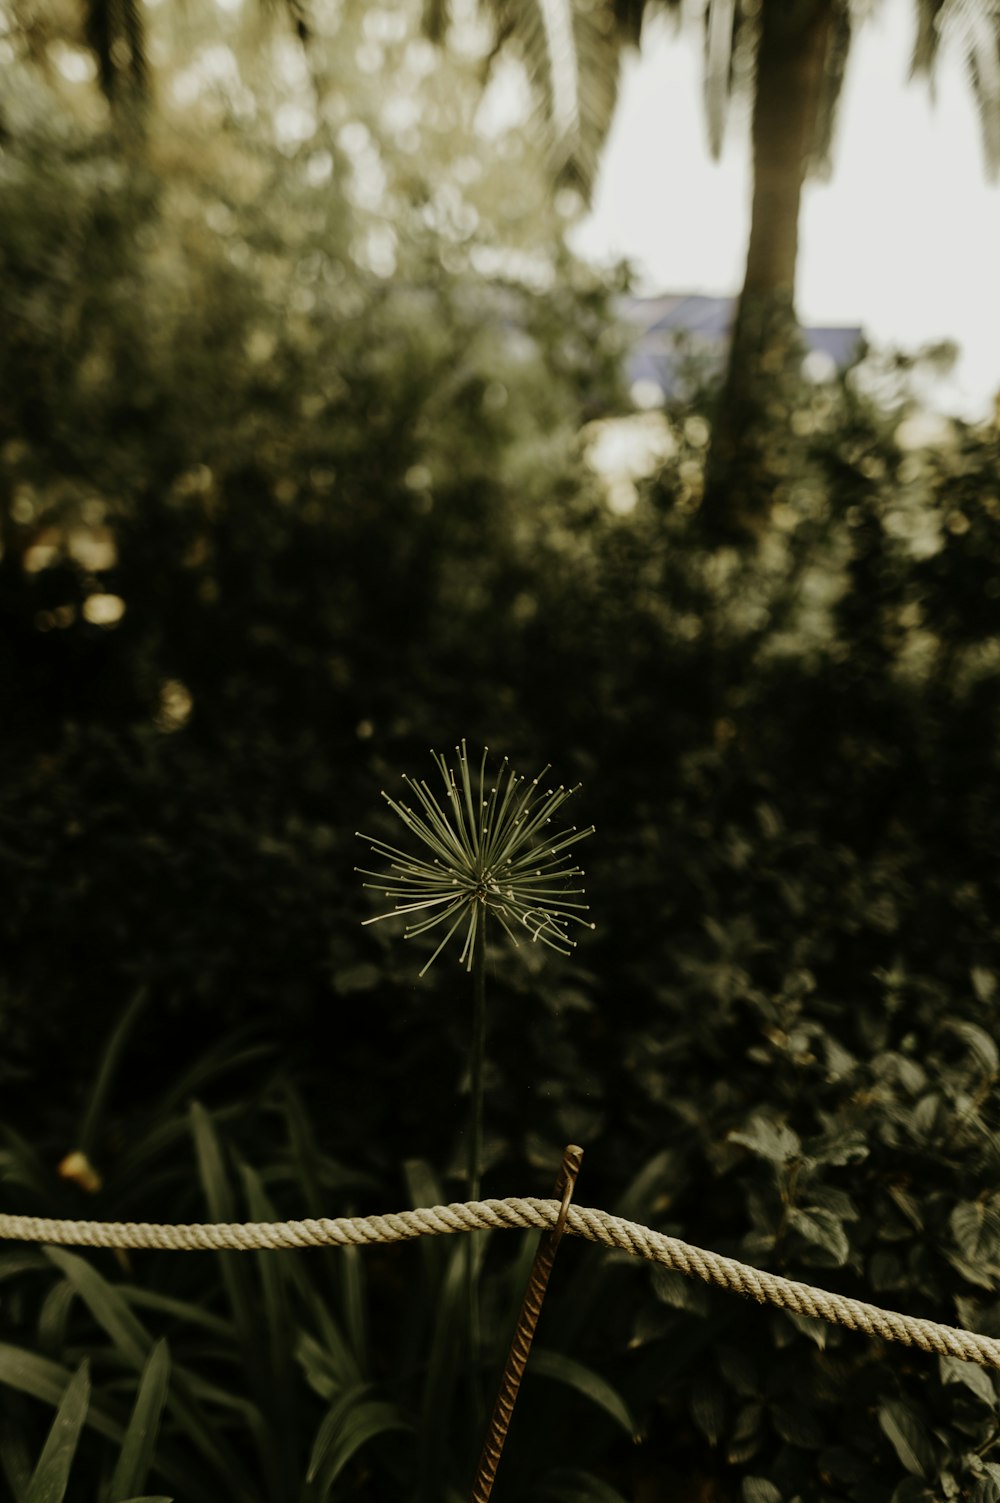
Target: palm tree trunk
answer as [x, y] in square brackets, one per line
[748, 457]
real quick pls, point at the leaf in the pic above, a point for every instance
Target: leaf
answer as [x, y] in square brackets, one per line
[759, 1490]
[908, 1206]
[90, 1122]
[971, 1375]
[354, 1299]
[739, 1370]
[585, 1289]
[53, 1316]
[444, 1366]
[746, 1436]
[679, 1291]
[909, 1072]
[351, 1423]
[46, 1380]
[708, 1409]
[844, 1464]
[810, 1325]
[211, 1166]
[797, 1424]
[111, 1310]
[136, 1456]
[983, 1275]
[14, 1263]
[769, 1140]
[234, 1268]
[885, 1271]
[913, 1490]
[178, 1309]
[275, 1330]
[361, 977]
[51, 1476]
[822, 1229]
[15, 1462]
[563, 1369]
[984, 983]
[907, 1437]
[926, 1119]
[328, 1368]
[980, 1045]
[571, 59]
[975, 1225]
[221, 1059]
[106, 1305]
[571, 1485]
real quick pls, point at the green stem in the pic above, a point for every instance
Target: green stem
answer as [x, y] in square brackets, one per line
[476, 1146]
[478, 1056]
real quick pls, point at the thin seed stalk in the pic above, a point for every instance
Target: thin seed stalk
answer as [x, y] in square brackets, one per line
[478, 1055]
[476, 1138]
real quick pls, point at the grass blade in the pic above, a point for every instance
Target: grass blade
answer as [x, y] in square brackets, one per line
[445, 1367]
[51, 1476]
[15, 1464]
[353, 1299]
[570, 1485]
[563, 1369]
[351, 1423]
[41, 1378]
[581, 1294]
[93, 1112]
[277, 1332]
[106, 1305]
[136, 1456]
[179, 1309]
[113, 1314]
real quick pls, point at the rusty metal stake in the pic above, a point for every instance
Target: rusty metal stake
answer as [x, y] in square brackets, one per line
[527, 1320]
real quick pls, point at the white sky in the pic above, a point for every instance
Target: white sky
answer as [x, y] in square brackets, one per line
[904, 239]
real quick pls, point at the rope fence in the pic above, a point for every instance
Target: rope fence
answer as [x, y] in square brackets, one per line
[514, 1213]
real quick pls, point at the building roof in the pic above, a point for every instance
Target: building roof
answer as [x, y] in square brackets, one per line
[704, 322]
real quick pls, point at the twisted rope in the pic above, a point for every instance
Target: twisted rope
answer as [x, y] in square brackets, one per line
[505, 1215]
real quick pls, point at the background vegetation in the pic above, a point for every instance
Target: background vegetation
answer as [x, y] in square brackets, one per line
[295, 483]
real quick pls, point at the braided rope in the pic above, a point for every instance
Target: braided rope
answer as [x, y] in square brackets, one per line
[504, 1215]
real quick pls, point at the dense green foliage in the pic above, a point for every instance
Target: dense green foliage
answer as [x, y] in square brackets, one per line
[274, 524]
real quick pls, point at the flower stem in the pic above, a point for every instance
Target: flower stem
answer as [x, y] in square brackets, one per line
[476, 1144]
[478, 1055]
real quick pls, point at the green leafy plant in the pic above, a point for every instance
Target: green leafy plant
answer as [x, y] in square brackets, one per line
[49, 1480]
[289, 1375]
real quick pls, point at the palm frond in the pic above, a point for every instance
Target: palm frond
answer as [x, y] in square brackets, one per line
[630, 14]
[973, 27]
[831, 89]
[732, 30]
[295, 11]
[571, 51]
[720, 25]
[928, 38]
[436, 16]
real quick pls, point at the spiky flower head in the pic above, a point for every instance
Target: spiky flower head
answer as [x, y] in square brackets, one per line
[490, 853]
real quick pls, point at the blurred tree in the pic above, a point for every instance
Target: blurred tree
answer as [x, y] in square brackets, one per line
[790, 56]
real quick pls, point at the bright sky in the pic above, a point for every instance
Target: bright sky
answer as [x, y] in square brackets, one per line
[904, 239]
